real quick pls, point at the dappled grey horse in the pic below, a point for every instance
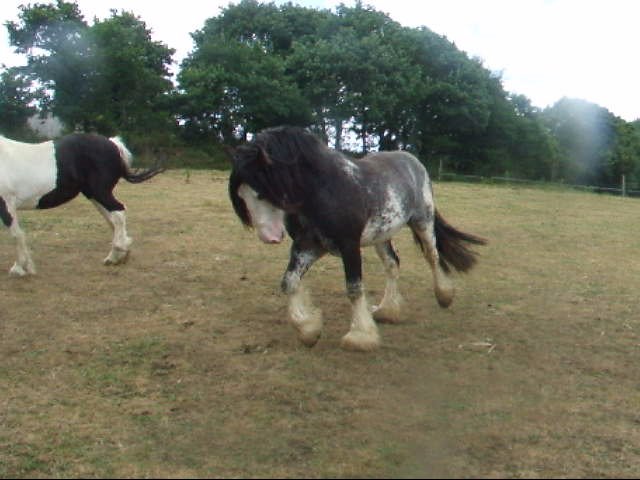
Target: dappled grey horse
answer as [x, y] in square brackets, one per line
[48, 174]
[287, 179]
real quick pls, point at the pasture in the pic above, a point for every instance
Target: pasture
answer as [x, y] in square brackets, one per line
[181, 363]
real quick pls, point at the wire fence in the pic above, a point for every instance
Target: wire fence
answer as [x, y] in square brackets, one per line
[622, 190]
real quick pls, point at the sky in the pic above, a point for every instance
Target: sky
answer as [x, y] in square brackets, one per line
[544, 49]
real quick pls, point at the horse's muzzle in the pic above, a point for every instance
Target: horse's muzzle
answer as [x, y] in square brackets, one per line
[271, 237]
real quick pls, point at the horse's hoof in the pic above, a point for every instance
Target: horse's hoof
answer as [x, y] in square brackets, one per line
[308, 324]
[386, 315]
[309, 336]
[360, 341]
[117, 257]
[19, 271]
[309, 339]
[445, 297]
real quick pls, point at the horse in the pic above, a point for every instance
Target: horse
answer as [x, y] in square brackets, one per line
[286, 179]
[48, 174]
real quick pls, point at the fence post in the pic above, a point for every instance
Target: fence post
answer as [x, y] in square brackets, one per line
[624, 185]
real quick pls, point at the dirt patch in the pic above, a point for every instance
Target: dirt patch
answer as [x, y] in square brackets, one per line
[181, 363]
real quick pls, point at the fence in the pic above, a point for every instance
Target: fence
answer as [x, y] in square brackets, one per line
[622, 190]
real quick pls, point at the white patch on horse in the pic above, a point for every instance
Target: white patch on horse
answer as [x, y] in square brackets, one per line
[27, 172]
[125, 154]
[427, 193]
[306, 318]
[363, 334]
[391, 218]
[267, 219]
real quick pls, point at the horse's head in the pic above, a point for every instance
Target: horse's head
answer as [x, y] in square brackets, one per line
[267, 219]
[253, 197]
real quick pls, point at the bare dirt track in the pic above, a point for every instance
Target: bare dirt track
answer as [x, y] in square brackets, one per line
[181, 364]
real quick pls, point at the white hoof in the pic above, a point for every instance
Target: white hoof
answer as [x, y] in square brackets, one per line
[309, 337]
[117, 257]
[444, 296]
[361, 341]
[20, 271]
[386, 314]
[309, 328]
[17, 271]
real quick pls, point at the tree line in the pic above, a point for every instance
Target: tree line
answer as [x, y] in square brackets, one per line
[349, 74]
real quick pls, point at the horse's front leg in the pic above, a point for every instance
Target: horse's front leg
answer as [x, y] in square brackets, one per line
[24, 264]
[363, 334]
[306, 318]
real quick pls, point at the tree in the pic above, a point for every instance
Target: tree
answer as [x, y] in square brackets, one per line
[585, 134]
[625, 158]
[354, 71]
[16, 103]
[53, 37]
[109, 77]
[233, 82]
[131, 79]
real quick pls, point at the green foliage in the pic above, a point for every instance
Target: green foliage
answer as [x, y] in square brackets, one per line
[234, 81]
[585, 134]
[52, 36]
[109, 77]
[16, 101]
[229, 86]
[352, 73]
[625, 157]
[131, 75]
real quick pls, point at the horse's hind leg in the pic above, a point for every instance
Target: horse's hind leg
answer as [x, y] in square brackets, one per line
[114, 213]
[425, 237]
[306, 318]
[389, 309]
[24, 264]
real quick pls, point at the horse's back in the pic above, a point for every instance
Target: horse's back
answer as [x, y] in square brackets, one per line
[397, 169]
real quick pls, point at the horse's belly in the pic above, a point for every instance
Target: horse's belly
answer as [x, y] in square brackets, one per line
[28, 194]
[21, 197]
[381, 229]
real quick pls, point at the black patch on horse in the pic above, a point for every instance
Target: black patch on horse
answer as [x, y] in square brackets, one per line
[5, 216]
[85, 163]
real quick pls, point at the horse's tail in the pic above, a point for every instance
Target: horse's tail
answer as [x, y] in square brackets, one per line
[127, 159]
[452, 246]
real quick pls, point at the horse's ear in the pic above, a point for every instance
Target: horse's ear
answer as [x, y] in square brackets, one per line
[263, 158]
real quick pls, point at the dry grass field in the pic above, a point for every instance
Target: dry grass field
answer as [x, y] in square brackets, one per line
[181, 363]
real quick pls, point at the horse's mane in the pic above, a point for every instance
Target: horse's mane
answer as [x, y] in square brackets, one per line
[280, 164]
[292, 145]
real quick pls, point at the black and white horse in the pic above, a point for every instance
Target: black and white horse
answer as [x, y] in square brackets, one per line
[287, 179]
[45, 175]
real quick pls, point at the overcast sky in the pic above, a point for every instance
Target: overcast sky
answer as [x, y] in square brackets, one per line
[545, 49]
